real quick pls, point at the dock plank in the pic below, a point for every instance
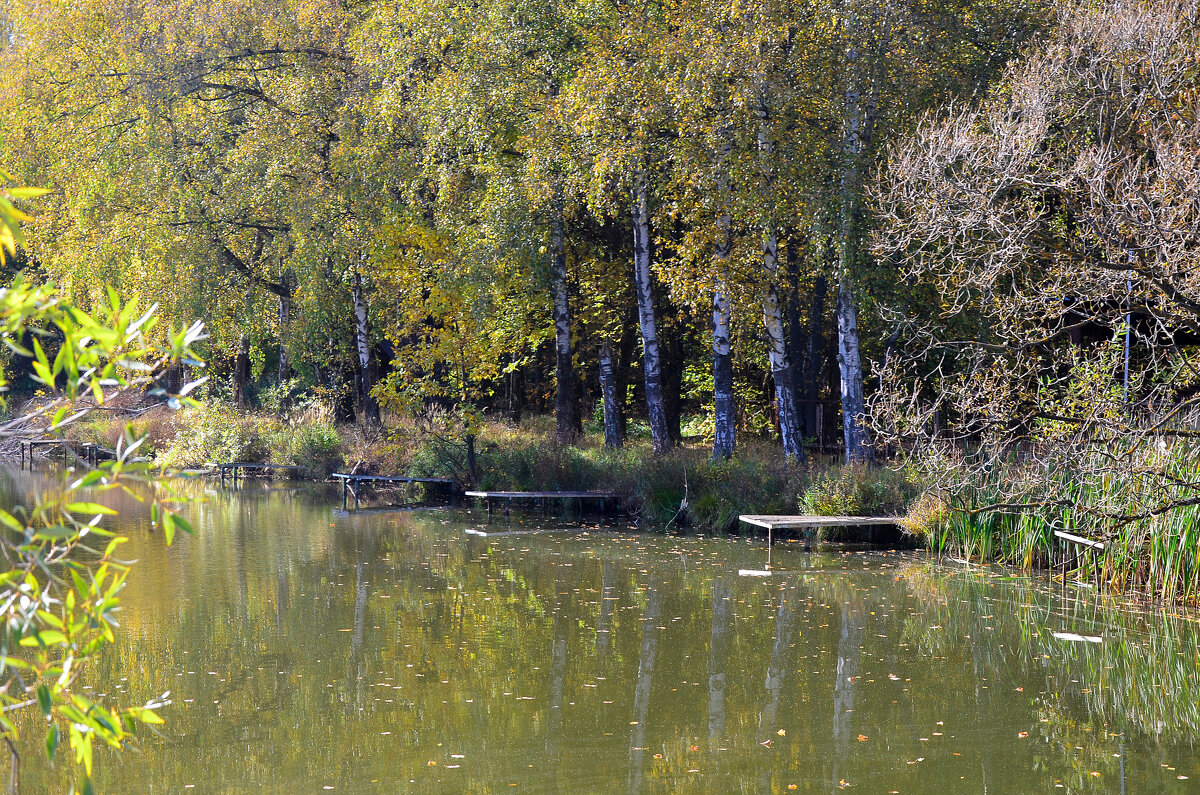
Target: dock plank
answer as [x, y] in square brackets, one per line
[780, 522]
[389, 478]
[543, 495]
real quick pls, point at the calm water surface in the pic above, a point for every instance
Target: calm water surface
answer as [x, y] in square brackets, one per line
[308, 650]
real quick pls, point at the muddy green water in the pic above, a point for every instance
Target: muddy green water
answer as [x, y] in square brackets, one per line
[308, 650]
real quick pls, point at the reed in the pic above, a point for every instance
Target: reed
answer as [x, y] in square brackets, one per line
[1155, 557]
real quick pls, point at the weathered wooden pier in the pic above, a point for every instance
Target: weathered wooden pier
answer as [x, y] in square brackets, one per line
[234, 467]
[809, 525]
[88, 451]
[606, 499]
[352, 482]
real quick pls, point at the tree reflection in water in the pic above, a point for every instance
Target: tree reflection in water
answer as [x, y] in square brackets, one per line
[390, 652]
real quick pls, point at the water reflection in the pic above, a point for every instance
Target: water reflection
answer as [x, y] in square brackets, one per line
[392, 652]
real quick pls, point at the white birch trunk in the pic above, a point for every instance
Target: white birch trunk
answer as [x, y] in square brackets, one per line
[651, 358]
[608, 393]
[857, 439]
[645, 680]
[366, 359]
[781, 368]
[725, 434]
[285, 323]
[564, 401]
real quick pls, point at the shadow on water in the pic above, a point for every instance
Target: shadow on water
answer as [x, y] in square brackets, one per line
[384, 652]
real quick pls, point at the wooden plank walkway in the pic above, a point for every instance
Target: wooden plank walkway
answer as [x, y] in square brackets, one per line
[810, 523]
[351, 482]
[233, 467]
[542, 496]
[807, 523]
[1096, 548]
[88, 451]
[772, 522]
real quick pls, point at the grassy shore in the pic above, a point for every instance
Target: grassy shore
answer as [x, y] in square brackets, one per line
[1157, 557]
[684, 490]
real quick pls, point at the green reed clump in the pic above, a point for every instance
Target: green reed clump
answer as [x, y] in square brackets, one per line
[685, 489]
[1148, 552]
[858, 490]
[314, 446]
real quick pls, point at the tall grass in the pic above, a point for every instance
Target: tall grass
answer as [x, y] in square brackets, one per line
[1155, 556]
[683, 489]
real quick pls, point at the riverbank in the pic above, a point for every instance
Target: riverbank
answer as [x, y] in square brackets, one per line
[1153, 558]
[683, 490]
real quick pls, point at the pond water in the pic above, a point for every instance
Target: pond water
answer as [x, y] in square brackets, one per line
[309, 650]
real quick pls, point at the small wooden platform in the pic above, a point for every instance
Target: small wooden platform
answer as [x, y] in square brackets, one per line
[234, 467]
[542, 496]
[1096, 548]
[810, 523]
[351, 482]
[88, 451]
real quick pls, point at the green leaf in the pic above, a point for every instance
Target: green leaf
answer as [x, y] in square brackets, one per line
[48, 637]
[89, 507]
[56, 533]
[51, 742]
[43, 698]
[149, 716]
[26, 192]
[168, 523]
[8, 520]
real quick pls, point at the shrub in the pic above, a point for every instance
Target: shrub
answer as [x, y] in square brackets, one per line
[315, 446]
[213, 432]
[859, 490]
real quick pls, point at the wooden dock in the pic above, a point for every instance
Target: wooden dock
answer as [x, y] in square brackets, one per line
[232, 469]
[812, 523]
[88, 451]
[352, 482]
[605, 497]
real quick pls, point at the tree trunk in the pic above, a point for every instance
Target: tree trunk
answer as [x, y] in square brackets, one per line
[472, 461]
[858, 443]
[718, 658]
[559, 633]
[512, 390]
[809, 386]
[564, 398]
[849, 653]
[241, 372]
[854, 428]
[645, 680]
[287, 284]
[725, 434]
[781, 368]
[672, 378]
[626, 356]
[366, 357]
[785, 622]
[651, 358]
[608, 392]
